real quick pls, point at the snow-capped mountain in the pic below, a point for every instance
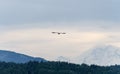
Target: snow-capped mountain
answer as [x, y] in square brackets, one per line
[103, 55]
[8, 56]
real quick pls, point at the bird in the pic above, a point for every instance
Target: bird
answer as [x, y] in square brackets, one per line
[58, 33]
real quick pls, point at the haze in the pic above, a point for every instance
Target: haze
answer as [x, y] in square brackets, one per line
[26, 26]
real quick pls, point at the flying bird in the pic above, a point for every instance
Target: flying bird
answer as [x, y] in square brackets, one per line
[58, 33]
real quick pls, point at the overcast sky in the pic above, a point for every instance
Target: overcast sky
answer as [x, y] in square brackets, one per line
[26, 26]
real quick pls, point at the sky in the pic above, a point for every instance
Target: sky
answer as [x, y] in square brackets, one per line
[26, 26]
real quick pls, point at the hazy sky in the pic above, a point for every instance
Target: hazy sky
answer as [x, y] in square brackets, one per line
[26, 26]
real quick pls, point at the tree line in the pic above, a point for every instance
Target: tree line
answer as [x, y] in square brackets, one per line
[34, 67]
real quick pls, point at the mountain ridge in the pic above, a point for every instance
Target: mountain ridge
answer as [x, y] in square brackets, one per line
[11, 56]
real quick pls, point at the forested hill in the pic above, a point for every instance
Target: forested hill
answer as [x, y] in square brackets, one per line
[55, 68]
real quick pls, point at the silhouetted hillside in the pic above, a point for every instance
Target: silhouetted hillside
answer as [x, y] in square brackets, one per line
[55, 68]
[9, 56]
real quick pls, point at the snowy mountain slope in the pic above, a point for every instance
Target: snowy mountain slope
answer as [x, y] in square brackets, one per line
[103, 55]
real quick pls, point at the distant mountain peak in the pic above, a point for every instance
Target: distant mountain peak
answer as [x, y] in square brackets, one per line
[102, 55]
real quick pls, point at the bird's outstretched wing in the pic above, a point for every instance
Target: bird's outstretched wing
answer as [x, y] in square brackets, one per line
[53, 32]
[63, 33]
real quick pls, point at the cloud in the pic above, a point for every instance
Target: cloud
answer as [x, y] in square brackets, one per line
[24, 12]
